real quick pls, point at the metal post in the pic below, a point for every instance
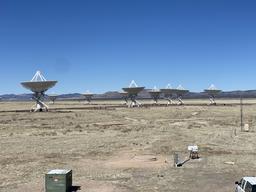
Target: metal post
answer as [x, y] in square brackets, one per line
[176, 159]
[241, 112]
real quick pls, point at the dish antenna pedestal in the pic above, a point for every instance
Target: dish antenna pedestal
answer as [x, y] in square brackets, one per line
[38, 85]
[52, 98]
[133, 91]
[212, 91]
[125, 97]
[155, 94]
[168, 94]
[88, 97]
[180, 91]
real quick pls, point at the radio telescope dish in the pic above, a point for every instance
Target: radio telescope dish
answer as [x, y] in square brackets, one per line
[52, 97]
[212, 91]
[180, 91]
[133, 90]
[155, 94]
[124, 96]
[168, 92]
[88, 96]
[39, 85]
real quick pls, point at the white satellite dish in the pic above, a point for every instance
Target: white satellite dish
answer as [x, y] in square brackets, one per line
[88, 96]
[133, 90]
[39, 85]
[168, 92]
[155, 94]
[52, 97]
[212, 91]
[180, 91]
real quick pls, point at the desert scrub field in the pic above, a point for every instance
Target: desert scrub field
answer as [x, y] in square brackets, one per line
[127, 150]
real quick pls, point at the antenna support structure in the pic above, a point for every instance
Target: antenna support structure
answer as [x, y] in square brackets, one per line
[38, 85]
[133, 90]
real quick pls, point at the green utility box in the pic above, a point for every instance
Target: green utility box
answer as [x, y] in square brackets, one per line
[58, 180]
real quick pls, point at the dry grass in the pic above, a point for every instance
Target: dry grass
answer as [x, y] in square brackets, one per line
[127, 150]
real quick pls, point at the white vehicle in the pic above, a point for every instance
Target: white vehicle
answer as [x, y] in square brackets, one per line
[247, 184]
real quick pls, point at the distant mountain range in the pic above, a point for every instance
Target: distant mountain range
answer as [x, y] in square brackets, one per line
[143, 95]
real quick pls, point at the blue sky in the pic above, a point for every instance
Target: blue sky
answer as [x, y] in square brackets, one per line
[101, 45]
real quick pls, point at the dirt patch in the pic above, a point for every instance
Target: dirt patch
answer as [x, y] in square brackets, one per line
[141, 161]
